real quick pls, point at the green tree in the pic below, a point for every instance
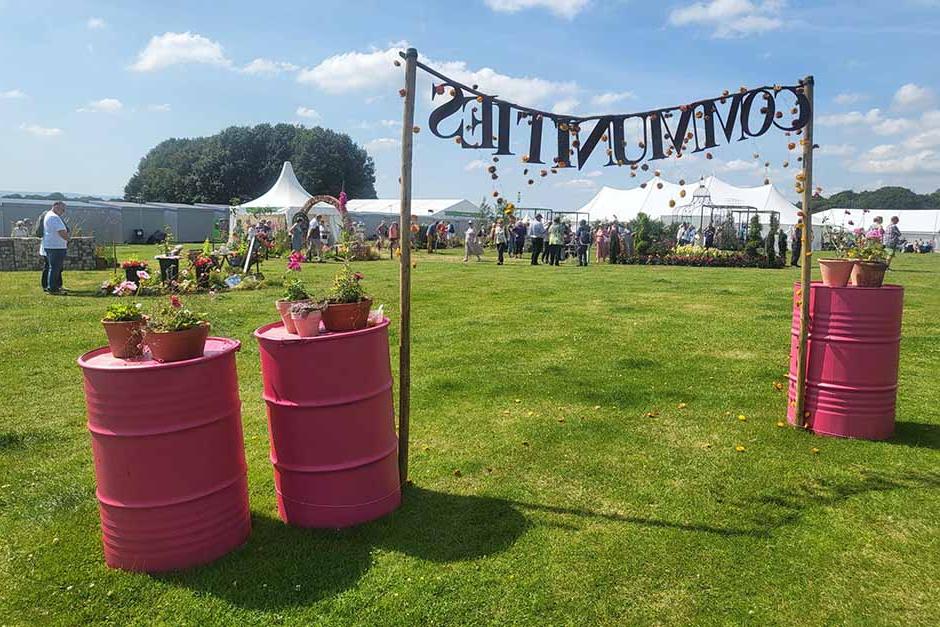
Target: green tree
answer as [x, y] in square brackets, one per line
[754, 240]
[243, 162]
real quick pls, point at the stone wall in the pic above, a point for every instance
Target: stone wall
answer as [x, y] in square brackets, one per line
[22, 253]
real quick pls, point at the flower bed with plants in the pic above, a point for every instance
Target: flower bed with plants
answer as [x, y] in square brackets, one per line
[698, 256]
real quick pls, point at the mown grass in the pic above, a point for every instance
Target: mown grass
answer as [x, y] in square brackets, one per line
[586, 494]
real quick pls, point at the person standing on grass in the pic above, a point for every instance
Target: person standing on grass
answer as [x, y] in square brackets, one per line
[393, 239]
[613, 246]
[556, 235]
[381, 233]
[315, 239]
[297, 234]
[518, 234]
[430, 236]
[893, 239]
[537, 235]
[583, 242]
[55, 239]
[796, 243]
[500, 238]
[471, 245]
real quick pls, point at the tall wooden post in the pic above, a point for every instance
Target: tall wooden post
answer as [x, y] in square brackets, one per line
[806, 268]
[404, 323]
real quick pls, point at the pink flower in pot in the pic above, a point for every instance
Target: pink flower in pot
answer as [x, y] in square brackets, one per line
[306, 317]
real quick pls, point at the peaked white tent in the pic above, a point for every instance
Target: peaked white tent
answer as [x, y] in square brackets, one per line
[653, 199]
[286, 198]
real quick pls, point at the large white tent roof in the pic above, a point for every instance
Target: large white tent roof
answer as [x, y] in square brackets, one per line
[420, 207]
[653, 199]
[286, 193]
[912, 222]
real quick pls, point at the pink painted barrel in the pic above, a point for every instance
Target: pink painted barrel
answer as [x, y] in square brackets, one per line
[852, 360]
[169, 457]
[332, 425]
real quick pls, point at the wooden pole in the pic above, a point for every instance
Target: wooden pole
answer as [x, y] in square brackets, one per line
[806, 268]
[404, 323]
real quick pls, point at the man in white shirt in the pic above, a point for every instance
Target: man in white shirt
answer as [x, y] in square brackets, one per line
[55, 239]
[537, 235]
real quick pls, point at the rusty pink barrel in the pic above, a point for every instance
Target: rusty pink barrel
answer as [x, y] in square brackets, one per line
[852, 360]
[332, 425]
[169, 457]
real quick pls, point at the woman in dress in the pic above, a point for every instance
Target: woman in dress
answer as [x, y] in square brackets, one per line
[600, 243]
[614, 246]
[471, 245]
[297, 234]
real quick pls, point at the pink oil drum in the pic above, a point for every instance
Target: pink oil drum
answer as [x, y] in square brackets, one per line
[332, 425]
[852, 360]
[169, 457]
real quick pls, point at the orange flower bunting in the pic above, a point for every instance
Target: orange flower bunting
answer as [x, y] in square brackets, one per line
[402, 92]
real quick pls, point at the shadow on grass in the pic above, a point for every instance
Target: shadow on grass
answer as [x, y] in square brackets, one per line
[282, 566]
[916, 434]
[760, 517]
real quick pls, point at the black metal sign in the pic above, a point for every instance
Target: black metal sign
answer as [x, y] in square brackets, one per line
[475, 120]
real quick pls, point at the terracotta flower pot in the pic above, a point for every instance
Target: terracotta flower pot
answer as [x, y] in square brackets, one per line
[124, 338]
[836, 272]
[283, 310]
[869, 273]
[347, 316]
[308, 325]
[177, 345]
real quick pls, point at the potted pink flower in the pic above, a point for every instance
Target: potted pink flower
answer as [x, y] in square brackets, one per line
[175, 333]
[132, 267]
[123, 324]
[306, 317]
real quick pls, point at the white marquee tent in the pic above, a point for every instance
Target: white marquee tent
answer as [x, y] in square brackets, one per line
[653, 200]
[915, 224]
[286, 198]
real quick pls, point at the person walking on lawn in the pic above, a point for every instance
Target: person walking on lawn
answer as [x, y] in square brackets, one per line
[537, 235]
[556, 234]
[55, 240]
[583, 241]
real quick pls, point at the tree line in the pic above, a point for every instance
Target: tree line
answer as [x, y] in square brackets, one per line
[241, 163]
[884, 198]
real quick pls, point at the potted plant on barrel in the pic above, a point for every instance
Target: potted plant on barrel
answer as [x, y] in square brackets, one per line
[870, 257]
[836, 271]
[123, 324]
[347, 305]
[295, 292]
[306, 317]
[131, 267]
[175, 333]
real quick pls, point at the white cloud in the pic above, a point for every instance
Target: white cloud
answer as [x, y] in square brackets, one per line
[363, 71]
[105, 105]
[306, 112]
[740, 165]
[594, 174]
[41, 131]
[354, 71]
[927, 139]
[562, 8]
[849, 98]
[910, 96]
[158, 108]
[171, 49]
[390, 123]
[611, 98]
[837, 150]
[95, 23]
[730, 18]
[872, 118]
[382, 143]
[13, 94]
[568, 105]
[577, 184]
[267, 67]
[476, 164]
[888, 160]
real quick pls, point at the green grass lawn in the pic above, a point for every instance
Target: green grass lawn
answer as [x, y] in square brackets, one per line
[585, 494]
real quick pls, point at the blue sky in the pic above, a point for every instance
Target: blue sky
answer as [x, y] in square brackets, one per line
[86, 88]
